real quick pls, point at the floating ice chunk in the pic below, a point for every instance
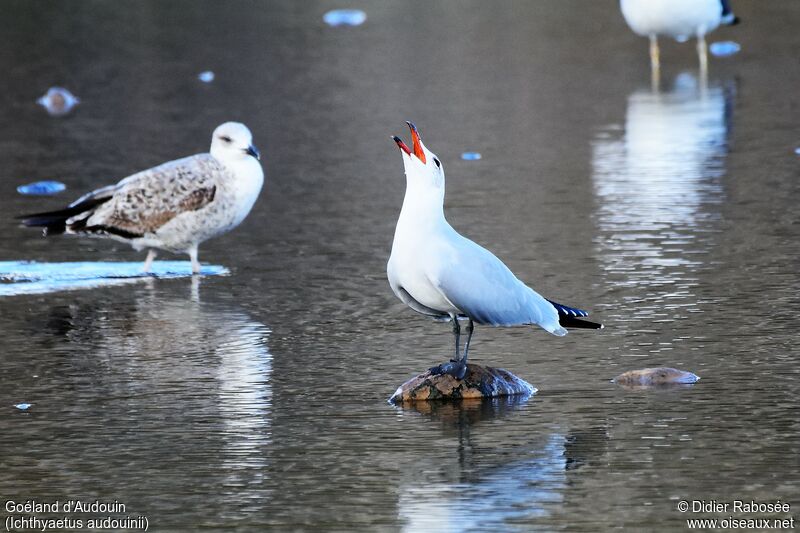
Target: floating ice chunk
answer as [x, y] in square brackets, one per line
[345, 17]
[42, 188]
[724, 48]
[206, 76]
[23, 406]
[23, 277]
[58, 101]
[471, 156]
[797, 151]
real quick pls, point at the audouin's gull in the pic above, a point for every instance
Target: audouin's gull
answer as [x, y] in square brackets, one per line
[437, 272]
[174, 206]
[679, 19]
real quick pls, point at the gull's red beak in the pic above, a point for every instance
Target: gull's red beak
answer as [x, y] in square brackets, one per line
[402, 145]
[418, 151]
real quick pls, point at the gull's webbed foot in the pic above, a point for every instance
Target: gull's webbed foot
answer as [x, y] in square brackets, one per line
[457, 369]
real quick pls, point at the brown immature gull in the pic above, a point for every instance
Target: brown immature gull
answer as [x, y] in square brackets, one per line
[174, 206]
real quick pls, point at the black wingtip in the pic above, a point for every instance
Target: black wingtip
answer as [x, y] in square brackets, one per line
[571, 317]
[53, 224]
[56, 221]
[565, 310]
[576, 323]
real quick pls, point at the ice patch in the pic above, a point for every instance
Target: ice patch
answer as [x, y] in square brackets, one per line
[23, 277]
[724, 48]
[42, 188]
[206, 76]
[345, 17]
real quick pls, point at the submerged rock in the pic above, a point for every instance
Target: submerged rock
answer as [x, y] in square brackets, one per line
[58, 101]
[649, 377]
[480, 382]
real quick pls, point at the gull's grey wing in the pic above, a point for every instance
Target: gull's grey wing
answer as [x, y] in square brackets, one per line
[483, 288]
[144, 202]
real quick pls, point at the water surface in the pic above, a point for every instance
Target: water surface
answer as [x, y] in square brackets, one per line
[258, 400]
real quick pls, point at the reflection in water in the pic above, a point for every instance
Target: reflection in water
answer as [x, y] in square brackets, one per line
[659, 187]
[585, 447]
[514, 491]
[245, 401]
[461, 415]
[467, 411]
[487, 490]
[199, 374]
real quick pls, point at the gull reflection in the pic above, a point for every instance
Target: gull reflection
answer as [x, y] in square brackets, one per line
[492, 480]
[517, 491]
[198, 374]
[658, 182]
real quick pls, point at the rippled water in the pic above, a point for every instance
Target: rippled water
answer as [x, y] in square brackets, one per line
[257, 400]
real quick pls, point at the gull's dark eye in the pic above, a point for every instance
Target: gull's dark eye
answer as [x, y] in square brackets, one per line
[438, 165]
[226, 138]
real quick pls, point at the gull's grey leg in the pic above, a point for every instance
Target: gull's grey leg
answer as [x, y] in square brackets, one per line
[655, 63]
[470, 329]
[456, 367]
[702, 54]
[457, 335]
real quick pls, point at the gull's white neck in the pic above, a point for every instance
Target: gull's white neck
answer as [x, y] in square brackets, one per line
[423, 205]
[248, 180]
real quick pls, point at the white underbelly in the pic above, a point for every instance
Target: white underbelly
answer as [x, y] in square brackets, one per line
[680, 19]
[410, 276]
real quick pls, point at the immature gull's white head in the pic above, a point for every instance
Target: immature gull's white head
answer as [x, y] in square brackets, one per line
[233, 140]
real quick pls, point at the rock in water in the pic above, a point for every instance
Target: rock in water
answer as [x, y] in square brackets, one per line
[480, 382]
[662, 375]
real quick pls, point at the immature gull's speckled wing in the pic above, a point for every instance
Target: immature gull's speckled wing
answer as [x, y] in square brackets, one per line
[145, 201]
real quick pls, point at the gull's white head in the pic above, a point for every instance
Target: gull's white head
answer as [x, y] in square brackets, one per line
[232, 141]
[421, 165]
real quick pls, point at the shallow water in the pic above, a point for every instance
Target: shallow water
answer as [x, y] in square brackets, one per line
[258, 400]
